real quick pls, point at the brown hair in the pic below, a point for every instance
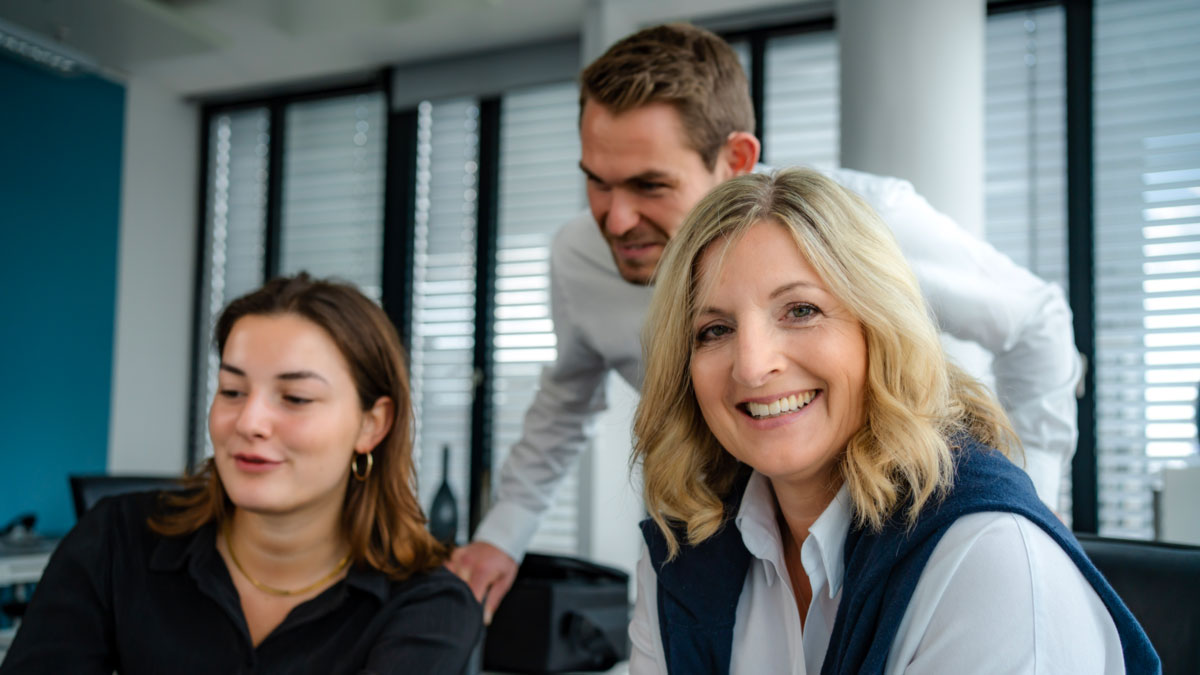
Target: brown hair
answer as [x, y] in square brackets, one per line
[680, 64]
[381, 517]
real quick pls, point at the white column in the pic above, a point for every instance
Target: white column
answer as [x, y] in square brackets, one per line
[152, 351]
[912, 97]
[610, 503]
[604, 22]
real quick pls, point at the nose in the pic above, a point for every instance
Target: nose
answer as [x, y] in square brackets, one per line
[622, 214]
[254, 417]
[757, 357]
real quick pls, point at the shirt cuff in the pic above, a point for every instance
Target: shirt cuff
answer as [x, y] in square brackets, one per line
[1046, 470]
[509, 527]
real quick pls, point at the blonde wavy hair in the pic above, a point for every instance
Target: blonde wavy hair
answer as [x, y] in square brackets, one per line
[916, 402]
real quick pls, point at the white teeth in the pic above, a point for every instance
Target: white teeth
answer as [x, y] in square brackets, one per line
[784, 405]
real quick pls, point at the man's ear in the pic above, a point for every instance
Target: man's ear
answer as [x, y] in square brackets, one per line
[377, 422]
[739, 155]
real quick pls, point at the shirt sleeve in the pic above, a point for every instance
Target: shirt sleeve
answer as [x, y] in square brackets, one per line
[998, 595]
[68, 626]
[978, 294]
[557, 427]
[646, 652]
[434, 630]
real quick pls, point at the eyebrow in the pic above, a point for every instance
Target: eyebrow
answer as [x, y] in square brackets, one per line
[653, 175]
[705, 311]
[290, 375]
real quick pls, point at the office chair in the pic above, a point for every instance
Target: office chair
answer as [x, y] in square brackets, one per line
[1160, 583]
[87, 490]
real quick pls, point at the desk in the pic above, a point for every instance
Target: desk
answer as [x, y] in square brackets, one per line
[22, 563]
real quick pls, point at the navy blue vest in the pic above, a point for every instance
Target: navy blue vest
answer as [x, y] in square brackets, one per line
[698, 590]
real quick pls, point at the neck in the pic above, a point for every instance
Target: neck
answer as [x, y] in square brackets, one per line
[800, 506]
[287, 551]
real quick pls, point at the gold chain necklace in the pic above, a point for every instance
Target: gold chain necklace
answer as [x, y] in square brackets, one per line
[281, 591]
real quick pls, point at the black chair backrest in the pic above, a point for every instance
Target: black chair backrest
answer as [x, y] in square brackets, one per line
[87, 490]
[1160, 583]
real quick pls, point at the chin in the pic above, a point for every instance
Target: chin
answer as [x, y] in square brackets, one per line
[637, 276]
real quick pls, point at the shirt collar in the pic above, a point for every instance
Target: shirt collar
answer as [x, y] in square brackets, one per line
[827, 540]
[173, 553]
[756, 521]
[821, 554]
[369, 579]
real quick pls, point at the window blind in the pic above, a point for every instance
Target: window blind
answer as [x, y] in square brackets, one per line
[540, 189]
[1147, 243]
[333, 173]
[1025, 131]
[801, 105]
[443, 323]
[1025, 148]
[234, 248]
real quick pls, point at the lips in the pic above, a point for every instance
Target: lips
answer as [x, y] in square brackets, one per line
[254, 463]
[633, 250]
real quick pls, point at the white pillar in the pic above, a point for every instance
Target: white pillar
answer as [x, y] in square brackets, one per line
[604, 22]
[610, 503]
[912, 97]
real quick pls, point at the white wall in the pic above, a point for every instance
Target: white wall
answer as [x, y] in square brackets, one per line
[153, 342]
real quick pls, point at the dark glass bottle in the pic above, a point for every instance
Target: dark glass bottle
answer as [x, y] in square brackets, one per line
[443, 513]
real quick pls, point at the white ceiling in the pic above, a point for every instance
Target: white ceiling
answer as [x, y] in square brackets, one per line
[198, 47]
[205, 46]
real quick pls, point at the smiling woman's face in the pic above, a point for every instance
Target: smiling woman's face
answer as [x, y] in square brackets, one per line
[286, 417]
[779, 364]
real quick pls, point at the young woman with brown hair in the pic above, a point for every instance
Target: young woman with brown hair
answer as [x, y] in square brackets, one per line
[299, 547]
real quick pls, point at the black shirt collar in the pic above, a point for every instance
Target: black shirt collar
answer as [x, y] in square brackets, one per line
[173, 553]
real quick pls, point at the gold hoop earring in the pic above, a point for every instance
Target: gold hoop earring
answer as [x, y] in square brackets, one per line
[362, 477]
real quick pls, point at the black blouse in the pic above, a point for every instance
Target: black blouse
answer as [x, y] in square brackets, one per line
[118, 597]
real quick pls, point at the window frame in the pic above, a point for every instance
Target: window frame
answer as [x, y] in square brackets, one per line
[276, 103]
[400, 170]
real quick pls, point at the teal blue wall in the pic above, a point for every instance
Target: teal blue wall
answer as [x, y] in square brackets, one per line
[60, 186]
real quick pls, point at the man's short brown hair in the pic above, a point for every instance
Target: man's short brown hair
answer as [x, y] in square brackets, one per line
[680, 64]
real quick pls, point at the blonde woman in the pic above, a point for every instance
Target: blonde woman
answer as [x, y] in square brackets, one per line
[300, 547]
[827, 493]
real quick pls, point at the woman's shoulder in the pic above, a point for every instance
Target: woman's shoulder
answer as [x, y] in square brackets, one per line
[1041, 609]
[124, 513]
[437, 586]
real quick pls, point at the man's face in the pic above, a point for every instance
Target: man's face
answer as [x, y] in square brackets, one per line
[642, 179]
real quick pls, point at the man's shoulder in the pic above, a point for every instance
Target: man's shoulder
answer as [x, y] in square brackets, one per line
[578, 249]
[877, 190]
[580, 234]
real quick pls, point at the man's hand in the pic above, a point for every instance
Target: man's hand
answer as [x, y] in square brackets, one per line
[487, 570]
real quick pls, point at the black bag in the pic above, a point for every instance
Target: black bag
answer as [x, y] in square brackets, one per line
[562, 614]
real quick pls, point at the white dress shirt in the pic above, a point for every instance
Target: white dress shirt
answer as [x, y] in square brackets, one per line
[977, 294]
[997, 595]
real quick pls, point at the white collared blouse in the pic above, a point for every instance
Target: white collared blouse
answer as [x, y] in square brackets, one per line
[997, 595]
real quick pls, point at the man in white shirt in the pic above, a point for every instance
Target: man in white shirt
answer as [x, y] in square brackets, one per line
[666, 116]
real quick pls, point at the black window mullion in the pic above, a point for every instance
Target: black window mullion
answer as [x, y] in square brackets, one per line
[274, 234]
[200, 293]
[399, 221]
[487, 226]
[1080, 253]
[758, 59]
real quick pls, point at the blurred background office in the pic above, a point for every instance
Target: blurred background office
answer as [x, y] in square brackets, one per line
[161, 157]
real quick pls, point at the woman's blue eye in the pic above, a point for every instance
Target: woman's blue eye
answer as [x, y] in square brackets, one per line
[713, 333]
[801, 311]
